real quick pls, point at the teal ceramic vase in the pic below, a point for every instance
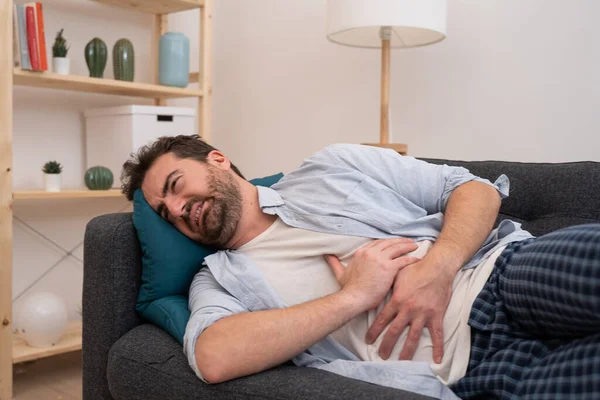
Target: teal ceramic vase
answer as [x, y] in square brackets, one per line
[123, 60]
[174, 60]
[96, 55]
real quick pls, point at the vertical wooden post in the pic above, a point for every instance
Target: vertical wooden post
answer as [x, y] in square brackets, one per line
[205, 76]
[385, 92]
[161, 25]
[6, 107]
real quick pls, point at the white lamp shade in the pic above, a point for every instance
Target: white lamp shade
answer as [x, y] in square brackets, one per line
[413, 22]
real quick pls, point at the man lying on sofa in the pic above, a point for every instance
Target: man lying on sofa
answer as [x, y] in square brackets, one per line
[345, 261]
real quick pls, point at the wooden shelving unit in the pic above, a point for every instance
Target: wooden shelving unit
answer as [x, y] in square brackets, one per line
[155, 6]
[49, 80]
[66, 194]
[13, 349]
[70, 341]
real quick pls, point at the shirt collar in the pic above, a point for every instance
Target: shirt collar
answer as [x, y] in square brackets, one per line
[268, 197]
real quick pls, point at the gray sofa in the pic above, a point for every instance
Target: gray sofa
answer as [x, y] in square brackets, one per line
[126, 358]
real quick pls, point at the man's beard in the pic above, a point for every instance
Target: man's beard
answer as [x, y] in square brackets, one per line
[224, 211]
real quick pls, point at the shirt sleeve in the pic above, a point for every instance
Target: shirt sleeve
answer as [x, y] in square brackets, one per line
[424, 184]
[208, 303]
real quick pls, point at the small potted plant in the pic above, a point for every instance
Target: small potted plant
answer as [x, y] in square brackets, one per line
[52, 170]
[61, 64]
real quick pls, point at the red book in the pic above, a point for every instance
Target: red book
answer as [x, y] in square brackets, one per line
[41, 37]
[32, 38]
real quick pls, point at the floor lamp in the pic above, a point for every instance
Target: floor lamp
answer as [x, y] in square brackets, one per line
[386, 24]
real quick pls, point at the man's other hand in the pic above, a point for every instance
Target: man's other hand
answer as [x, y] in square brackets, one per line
[420, 298]
[370, 274]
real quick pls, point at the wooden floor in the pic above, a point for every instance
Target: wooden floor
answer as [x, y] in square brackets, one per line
[53, 378]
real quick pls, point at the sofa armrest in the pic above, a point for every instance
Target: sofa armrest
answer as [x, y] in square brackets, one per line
[112, 263]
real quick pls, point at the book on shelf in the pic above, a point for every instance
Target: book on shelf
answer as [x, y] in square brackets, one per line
[32, 41]
[22, 28]
[41, 34]
[16, 46]
[30, 37]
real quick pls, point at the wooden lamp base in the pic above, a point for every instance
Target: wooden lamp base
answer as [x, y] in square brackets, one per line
[384, 140]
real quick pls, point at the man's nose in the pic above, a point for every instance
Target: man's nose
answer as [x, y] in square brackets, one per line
[176, 207]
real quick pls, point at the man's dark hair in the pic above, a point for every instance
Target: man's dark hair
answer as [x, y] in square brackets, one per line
[183, 147]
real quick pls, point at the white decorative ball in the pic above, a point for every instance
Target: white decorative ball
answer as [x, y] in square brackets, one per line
[41, 319]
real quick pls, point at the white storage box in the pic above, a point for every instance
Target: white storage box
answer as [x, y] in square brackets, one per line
[113, 133]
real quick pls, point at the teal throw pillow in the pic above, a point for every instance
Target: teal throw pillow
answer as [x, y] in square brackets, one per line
[170, 260]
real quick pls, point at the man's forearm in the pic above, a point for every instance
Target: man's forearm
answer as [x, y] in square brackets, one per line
[469, 217]
[248, 343]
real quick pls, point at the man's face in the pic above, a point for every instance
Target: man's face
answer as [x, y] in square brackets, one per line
[202, 200]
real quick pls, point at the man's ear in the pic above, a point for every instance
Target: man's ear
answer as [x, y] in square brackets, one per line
[218, 159]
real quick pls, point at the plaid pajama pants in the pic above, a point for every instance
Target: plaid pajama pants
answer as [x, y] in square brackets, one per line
[536, 324]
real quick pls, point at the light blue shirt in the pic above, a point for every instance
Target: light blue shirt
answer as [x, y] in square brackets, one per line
[344, 189]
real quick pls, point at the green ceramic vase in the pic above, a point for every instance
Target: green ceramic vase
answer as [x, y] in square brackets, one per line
[96, 55]
[98, 178]
[123, 60]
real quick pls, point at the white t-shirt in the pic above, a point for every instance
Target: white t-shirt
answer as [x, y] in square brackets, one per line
[292, 262]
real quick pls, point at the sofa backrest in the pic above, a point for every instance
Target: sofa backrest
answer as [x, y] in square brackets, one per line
[543, 196]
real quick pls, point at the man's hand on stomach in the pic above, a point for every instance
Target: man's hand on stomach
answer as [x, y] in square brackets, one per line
[371, 272]
[420, 298]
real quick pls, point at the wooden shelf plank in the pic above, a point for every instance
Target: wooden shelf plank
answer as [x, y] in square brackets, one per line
[70, 341]
[79, 83]
[66, 194]
[156, 6]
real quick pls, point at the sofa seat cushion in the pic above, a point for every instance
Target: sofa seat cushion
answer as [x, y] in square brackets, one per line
[147, 363]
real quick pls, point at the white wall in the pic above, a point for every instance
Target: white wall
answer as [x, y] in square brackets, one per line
[514, 80]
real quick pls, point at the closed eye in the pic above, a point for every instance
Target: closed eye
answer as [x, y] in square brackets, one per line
[174, 184]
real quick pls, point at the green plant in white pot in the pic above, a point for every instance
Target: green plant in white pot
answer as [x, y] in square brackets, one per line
[60, 63]
[52, 174]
